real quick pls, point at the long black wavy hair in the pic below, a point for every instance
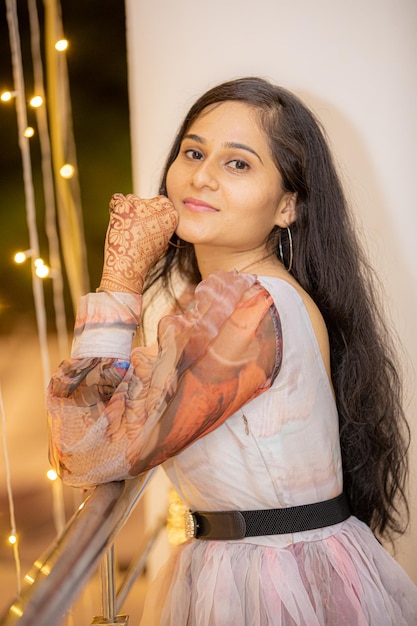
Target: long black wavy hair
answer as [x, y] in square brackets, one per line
[329, 264]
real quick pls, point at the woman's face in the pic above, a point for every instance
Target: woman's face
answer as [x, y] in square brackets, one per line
[224, 183]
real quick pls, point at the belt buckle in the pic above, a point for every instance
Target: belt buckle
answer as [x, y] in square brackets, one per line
[190, 525]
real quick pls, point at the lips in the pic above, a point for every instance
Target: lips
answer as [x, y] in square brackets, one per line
[198, 206]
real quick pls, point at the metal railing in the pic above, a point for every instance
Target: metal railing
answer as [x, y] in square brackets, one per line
[58, 577]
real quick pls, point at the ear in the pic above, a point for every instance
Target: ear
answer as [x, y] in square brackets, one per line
[286, 211]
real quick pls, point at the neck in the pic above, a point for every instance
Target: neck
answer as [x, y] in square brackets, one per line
[210, 260]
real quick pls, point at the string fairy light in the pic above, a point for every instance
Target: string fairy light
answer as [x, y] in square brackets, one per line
[58, 510]
[42, 270]
[22, 255]
[51, 474]
[13, 534]
[37, 286]
[17, 68]
[61, 45]
[48, 186]
[39, 268]
[36, 102]
[67, 171]
[18, 79]
[7, 96]
[68, 194]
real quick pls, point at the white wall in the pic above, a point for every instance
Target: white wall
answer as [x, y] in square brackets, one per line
[354, 64]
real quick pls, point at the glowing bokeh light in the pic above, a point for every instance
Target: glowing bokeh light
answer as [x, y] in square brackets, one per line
[36, 101]
[61, 45]
[16, 610]
[6, 96]
[51, 474]
[67, 170]
[20, 257]
[42, 271]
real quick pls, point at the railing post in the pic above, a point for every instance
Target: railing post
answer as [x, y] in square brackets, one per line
[108, 594]
[108, 586]
[57, 577]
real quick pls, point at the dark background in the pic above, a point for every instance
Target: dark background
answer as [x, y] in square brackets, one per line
[97, 67]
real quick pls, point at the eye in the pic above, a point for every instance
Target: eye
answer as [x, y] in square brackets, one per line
[239, 164]
[193, 154]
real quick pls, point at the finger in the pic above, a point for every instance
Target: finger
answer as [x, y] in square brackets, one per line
[117, 201]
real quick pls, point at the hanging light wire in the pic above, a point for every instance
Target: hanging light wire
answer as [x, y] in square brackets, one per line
[48, 185]
[64, 153]
[37, 283]
[10, 496]
[19, 87]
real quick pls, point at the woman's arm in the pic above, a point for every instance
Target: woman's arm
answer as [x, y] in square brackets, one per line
[110, 419]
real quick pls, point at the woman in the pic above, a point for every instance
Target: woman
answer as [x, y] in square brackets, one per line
[272, 401]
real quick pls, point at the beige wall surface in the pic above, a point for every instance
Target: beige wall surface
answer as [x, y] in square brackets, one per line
[354, 64]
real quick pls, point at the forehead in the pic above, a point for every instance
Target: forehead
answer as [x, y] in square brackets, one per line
[233, 120]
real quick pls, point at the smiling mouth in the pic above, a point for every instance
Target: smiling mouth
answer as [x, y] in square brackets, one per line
[197, 206]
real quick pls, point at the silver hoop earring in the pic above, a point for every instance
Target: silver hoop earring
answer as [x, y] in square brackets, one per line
[281, 252]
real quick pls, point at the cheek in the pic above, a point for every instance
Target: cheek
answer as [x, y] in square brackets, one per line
[169, 181]
[256, 204]
[175, 176]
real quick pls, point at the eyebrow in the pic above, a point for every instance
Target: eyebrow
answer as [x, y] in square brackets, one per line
[228, 144]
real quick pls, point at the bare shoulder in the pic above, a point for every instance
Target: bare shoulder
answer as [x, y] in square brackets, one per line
[313, 311]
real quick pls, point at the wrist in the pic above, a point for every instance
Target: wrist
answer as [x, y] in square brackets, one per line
[108, 283]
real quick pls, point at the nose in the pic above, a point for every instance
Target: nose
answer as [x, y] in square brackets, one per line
[205, 175]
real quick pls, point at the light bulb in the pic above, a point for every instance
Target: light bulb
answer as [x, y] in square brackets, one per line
[20, 257]
[51, 474]
[61, 45]
[6, 96]
[12, 539]
[42, 271]
[36, 101]
[67, 170]
[29, 132]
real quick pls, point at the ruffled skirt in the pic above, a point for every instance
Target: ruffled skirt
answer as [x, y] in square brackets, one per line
[347, 579]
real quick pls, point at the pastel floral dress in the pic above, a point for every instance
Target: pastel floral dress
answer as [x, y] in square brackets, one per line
[238, 407]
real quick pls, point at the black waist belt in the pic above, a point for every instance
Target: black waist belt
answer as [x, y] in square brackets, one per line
[240, 524]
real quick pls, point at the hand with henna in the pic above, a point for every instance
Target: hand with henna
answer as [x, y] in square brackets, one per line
[137, 236]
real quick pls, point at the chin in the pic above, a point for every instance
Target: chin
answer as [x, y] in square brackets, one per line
[190, 235]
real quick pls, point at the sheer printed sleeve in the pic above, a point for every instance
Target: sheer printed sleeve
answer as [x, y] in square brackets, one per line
[111, 420]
